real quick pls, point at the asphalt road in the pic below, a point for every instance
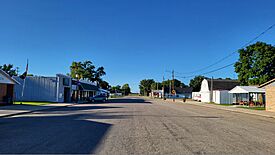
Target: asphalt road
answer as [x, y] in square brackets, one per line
[137, 126]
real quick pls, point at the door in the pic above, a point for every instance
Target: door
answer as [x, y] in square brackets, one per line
[66, 95]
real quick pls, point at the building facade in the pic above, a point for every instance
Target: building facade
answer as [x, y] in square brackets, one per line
[44, 89]
[217, 91]
[6, 88]
[269, 94]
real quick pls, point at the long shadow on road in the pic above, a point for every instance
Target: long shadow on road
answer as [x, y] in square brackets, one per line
[129, 100]
[48, 134]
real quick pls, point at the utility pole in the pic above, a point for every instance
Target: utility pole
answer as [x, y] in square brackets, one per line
[163, 94]
[170, 90]
[173, 84]
[211, 91]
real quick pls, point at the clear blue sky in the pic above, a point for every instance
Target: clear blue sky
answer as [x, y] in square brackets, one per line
[132, 39]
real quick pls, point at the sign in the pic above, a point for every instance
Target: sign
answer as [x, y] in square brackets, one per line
[173, 92]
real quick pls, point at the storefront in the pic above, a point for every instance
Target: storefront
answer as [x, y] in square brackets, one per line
[6, 88]
[44, 89]
[82, 90]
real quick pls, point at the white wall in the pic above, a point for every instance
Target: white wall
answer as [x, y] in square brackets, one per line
[222, 97]
[205, 92]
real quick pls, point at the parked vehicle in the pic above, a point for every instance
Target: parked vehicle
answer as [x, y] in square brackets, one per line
[98, 98]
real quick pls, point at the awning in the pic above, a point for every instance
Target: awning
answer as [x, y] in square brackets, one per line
[88, 87]
[246, 90]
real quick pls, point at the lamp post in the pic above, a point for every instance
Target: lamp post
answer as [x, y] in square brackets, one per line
[77, 88]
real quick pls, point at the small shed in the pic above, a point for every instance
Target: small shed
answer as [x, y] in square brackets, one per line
[246, 94]
[6, 88]
[270, 94]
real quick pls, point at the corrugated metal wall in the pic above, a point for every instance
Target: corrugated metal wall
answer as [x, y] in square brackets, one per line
[36, 89]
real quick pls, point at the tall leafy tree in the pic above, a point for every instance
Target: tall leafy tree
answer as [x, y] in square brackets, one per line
[104, 85]
[195, 83]
[86, 70]
[256, 64]
[145, 86]
[8, 68]
[126, 89]
[116, 89]
[177, 83]
[156, 86]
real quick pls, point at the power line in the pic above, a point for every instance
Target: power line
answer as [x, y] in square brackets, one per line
[246, 44]
[184, 77]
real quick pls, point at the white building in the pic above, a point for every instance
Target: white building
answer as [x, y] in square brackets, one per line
[40, 88]
[219, 93]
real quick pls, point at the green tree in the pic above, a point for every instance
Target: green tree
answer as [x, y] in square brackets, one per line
[256, 64]
[195, 83]
[86, 70]
[126, 89]
[8, 68]
[104, 85]
[116, 89]
[177, 83]
[156, 86]
[145, 86]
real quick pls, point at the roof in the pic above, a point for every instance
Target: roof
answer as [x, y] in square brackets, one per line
[223, 84]
[12, 81]
[88, 87]
[180, 90]
[267, 83]
[246, 89]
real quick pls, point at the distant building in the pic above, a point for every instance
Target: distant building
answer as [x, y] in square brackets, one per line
[184, 92]
[270, 94]
[6, 88]
[180, 92]
[156, 93]
[47, 89]
[219, 93]
[83, 89]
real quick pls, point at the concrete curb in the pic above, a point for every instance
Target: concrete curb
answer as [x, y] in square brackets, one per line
[28, 112]
[222, 108]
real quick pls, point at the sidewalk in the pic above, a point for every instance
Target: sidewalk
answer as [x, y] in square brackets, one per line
[228, 108]
[12, 110]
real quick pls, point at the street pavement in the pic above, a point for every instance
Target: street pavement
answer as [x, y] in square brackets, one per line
[134, 125]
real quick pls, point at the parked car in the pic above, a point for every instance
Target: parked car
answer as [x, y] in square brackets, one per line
[98, 98]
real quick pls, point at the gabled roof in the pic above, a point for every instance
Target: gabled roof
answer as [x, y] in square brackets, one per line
[12, 81]
[267, 83]
[246, 89]
[222, 84]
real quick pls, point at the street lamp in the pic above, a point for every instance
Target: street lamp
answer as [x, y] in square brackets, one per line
[77, 88]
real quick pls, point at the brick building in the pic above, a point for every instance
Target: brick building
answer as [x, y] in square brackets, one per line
[269, 94]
